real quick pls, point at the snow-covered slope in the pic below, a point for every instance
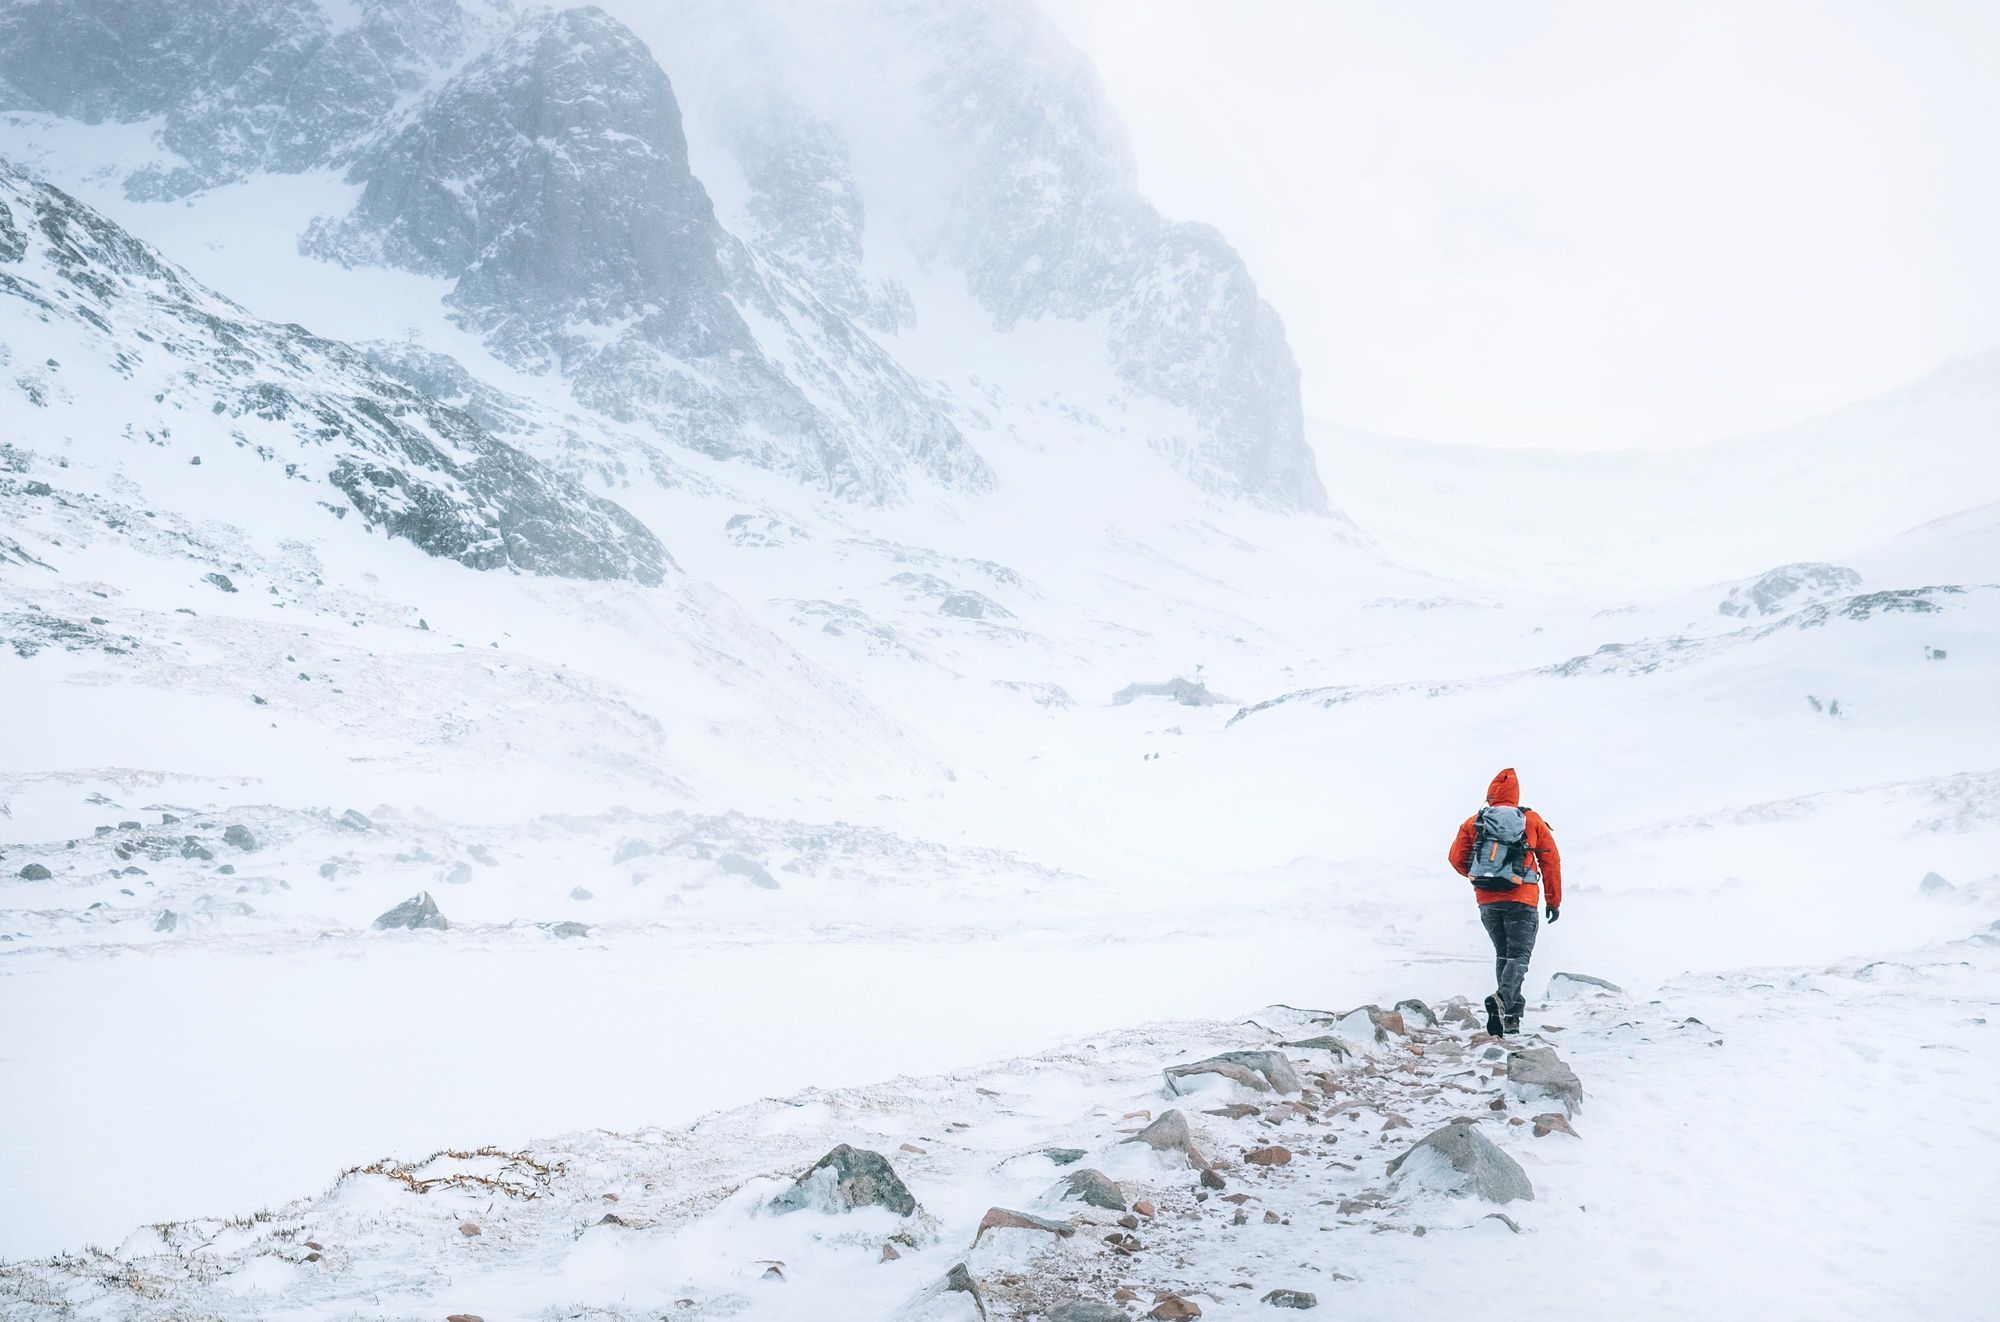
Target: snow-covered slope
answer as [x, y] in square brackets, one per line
[1651, 519]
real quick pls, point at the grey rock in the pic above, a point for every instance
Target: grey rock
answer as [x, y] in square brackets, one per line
[228, 870]
[1536, 1072]
[128, 826]
[566, 930]
[419, 911]
[1095, 1188]
[191, 847]
[1933, 884]
[926, 1303]
[1292, 1299]
[1459, 1160]
[1187, 692]
[749, 869]
[632, 849]
[35, 872]
[482, 855]
[1325, 1042]
[847, 1178]
[1064, 1156]
[355, 820]
[1580, 984]
[579, 893]
[219, 580]
[241, 838]
[1084, 1310]
[1171, 1133]
[458, 874]
[1416, 1014]
[1263, 1071]
[1504, 1220]
[167, 921]
[1787, 586]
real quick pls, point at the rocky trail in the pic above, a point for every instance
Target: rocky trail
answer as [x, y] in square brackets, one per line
[1295, 1159]
[1374, 1162]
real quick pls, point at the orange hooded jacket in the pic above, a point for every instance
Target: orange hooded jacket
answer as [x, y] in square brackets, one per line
[1542, 855]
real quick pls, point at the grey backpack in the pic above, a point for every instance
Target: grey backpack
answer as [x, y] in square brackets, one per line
[1499, 848]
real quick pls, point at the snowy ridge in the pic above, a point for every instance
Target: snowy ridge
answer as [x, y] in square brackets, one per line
[148, 348]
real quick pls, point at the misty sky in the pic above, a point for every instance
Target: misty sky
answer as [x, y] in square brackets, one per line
[1581, 224]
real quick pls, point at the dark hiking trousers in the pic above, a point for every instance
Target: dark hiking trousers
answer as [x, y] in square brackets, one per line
[1513, 926]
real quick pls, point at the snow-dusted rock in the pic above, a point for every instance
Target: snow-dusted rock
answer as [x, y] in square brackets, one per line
[419, 911]
[844, 1179]
[1263, 1071]
[1537, 1072]
[1085, 1310]
[35, 872]
[749, 869]
[1171, 1133]
[1933, 884]
[1461, 1161]
[953, 1297]
[1566, 985]
[1416, 1014]
[1787, 587]
[1005, 1218]
[1093, 1187]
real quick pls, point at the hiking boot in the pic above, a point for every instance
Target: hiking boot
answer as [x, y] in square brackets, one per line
[1493, 1016]
[1512, 1023]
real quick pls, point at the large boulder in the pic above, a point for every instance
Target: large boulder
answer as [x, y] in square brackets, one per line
[1262, 1071]
[420, 910]
[1537, 1072]
[1460, 1161]
[847, 1178]
[35, 872]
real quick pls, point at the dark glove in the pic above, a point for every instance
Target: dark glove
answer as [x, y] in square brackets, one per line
[1554, 913]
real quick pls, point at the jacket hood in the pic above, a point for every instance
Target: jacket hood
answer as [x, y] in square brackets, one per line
[1505, 789]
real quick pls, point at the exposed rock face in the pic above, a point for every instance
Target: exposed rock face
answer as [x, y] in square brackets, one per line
[1461, 1161]
[1537, 1072]
[315, 410]
[1263, 1071]
[419, 911]
[1048, 221]
[550, 178]
[1787, 587]
[847, 1178]
[236, 85]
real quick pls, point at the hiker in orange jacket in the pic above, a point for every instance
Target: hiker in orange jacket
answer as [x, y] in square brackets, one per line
[1508, 854]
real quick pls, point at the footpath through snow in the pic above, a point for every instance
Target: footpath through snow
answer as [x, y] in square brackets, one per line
[1798, 1143]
